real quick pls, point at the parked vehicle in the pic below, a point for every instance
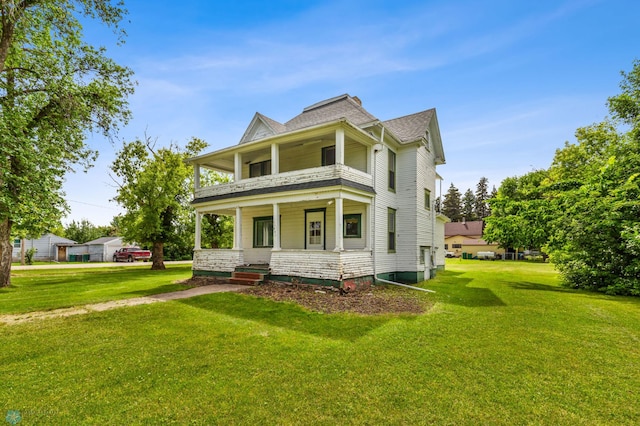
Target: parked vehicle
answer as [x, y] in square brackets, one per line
[449, 254]
[131, 254]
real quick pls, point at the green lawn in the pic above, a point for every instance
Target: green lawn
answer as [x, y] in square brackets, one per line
[46, 289]
[503, 345]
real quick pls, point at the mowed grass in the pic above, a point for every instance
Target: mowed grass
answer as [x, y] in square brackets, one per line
[503, 345]
[46, 289]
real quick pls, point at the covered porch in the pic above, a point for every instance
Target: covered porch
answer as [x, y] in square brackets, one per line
[320, 237]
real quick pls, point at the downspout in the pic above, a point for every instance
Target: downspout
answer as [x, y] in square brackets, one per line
[404, 285]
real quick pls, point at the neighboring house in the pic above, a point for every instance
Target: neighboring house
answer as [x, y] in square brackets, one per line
[99, 250]
[466, 237]
[49, 247]
[352, 197]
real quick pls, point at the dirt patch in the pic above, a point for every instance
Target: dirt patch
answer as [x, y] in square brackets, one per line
[377, 300]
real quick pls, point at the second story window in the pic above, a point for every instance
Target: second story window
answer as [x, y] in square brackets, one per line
[262, 168]
[328, 155]
[392, 170]
[427, 199]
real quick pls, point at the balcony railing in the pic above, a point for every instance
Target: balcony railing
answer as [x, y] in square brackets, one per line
[288, 178]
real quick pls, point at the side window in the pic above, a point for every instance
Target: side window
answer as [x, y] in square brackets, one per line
[392, 170]
[427, 199]
[391, 226]
[17, 243]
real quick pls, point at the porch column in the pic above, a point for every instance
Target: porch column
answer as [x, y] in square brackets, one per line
[339, 220]
[237, 229]
[276, 226]
[198, 242]
[275, 159]
[368, 226]
[340, 146]
[237, 167]
[196, 177]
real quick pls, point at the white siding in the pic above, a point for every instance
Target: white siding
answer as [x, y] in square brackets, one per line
[219, 260]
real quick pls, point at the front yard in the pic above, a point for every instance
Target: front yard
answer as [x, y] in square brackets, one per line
[500, 344]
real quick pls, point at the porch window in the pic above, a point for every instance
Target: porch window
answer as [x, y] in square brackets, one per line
[262, 168]
[352, 227]
[263, 232]
[427, 199]
[392, 229]
[328, 155]
[17, 243]
[392, 171]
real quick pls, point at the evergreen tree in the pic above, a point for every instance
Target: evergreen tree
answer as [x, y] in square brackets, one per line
[451, 207]
[481, 207]
[469, 206]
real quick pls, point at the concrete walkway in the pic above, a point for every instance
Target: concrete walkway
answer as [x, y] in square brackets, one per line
[105, 306]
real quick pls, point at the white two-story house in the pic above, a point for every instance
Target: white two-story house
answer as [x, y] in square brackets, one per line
[333, 196]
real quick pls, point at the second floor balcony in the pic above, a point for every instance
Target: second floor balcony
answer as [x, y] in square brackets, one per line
[328, 155]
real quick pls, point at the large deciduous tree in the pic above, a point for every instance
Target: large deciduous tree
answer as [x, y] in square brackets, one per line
[54, 90]
[154, 187]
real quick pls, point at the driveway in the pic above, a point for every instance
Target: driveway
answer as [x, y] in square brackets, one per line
[105, 306]
[64, 265]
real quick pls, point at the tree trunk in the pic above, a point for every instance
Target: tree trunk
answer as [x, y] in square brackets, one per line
[157, 257]
[6, 249]
[23, 249]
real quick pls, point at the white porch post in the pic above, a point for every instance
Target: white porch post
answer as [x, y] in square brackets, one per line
[275, 159]
[339, 238]
[237, 229]
[276, 226]
[198, 243]
[340, 146]
[368, 224]
[196, 177]
[237, 167]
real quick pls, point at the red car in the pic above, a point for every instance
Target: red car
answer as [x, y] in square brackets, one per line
[131, 254]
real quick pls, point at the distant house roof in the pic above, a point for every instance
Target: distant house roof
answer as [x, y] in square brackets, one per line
[464, 228]
[102, 240]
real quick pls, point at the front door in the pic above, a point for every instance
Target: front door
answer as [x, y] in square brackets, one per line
[315, 230]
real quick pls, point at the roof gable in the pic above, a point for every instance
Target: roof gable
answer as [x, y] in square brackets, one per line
[103, 240]
[261, 127]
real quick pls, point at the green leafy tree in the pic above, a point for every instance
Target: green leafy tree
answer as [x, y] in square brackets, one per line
[452, 204]
[55, 89]
[521, 215]
[469, 206]
[596, 182]
[84, 231]
[155, 187]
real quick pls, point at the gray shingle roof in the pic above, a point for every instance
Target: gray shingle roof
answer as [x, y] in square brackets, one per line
[464, 228]
[101, 240]
[410, 127]
[343, 106]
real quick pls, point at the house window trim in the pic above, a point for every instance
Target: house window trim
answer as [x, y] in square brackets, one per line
[346, 217]
[17, 241]
[255, 233]
[325, 150]
[427, 199]
[392, 168]
[392, 233]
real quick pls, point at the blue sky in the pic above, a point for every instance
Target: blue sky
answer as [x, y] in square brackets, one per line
[511, 80]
